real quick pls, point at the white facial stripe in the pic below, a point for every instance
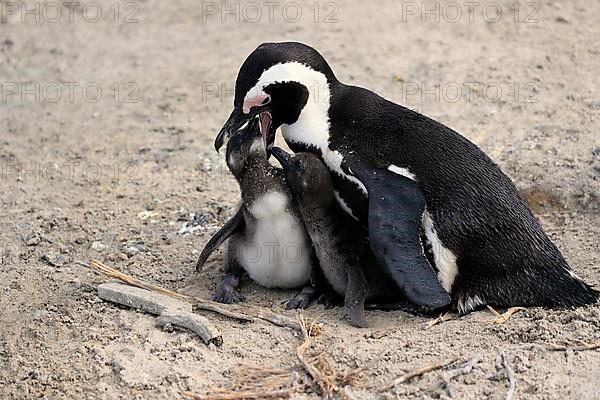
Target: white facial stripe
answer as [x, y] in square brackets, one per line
[287, 72]
[312, 126]
[402, 171]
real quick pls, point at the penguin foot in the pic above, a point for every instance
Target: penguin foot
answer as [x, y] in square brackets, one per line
[502, 318]
[359, 322]
[228, 291]
[302, 299]
[357, 317]
[330, 300]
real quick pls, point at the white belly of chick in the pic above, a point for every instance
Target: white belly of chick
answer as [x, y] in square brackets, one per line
[277, 250]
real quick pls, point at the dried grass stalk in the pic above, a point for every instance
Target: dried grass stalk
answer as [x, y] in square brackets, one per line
[417, 372]
[237, 395]
[328, 388]
[254, 382]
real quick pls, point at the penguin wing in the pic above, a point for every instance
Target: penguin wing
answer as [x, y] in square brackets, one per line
[234, 224]
[395, 208]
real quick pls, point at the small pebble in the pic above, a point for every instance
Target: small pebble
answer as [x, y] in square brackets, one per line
[33, 240]
[98, 246]
[200, 218]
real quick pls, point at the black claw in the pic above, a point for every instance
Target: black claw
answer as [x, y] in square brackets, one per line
[296, 303]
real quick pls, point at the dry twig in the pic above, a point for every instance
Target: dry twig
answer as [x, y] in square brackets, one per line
[577, 345]
[417, 372]
[245, 313]
[465, 368]
[442, 318]
[511, 377]
[502, 318]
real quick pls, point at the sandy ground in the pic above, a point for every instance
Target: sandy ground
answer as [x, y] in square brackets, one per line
[130, 177]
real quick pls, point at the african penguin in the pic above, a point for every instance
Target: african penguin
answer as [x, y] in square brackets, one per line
[266, 236]
[405, 177]
[341, 244]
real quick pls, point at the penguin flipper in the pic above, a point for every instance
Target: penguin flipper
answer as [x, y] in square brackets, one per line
[395, 208]
[232, 226]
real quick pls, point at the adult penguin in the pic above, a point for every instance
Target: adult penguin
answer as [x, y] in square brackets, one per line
[425, 192]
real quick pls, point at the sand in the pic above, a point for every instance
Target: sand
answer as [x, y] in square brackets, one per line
[129, 176]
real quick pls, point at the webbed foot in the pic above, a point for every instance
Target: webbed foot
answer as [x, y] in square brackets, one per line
[302, 299]
[228, 290]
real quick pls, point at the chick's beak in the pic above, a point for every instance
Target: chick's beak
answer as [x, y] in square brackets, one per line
[284, 158]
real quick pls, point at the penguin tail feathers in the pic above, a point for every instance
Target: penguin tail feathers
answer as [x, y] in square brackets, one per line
[573, 291]
[552, 288]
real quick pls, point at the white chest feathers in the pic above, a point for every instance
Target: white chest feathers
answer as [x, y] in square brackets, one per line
[277, 248]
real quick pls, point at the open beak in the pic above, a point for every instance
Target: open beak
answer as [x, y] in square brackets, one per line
[235, 121]
[266, 130]
[284, 158]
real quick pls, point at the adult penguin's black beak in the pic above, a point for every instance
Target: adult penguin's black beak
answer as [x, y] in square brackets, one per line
[235, 121]
[284, 158]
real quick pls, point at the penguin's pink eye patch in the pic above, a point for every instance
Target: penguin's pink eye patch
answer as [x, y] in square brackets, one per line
[255, 101]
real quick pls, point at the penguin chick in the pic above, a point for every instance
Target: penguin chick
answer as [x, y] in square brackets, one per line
[266, 237]
[341, 244]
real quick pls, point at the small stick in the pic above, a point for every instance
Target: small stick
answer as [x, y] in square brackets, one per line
[207, 305]
[511, 376]
[195, 323]
[493, 311]
[570, 345]
[245, 313]
[249, 395]
[502, 318]
[442, 318]
[418, 372]
[276, 319]
[465, 369]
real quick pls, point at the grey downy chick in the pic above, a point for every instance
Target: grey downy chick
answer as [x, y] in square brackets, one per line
[266, 237]
[341, 244]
